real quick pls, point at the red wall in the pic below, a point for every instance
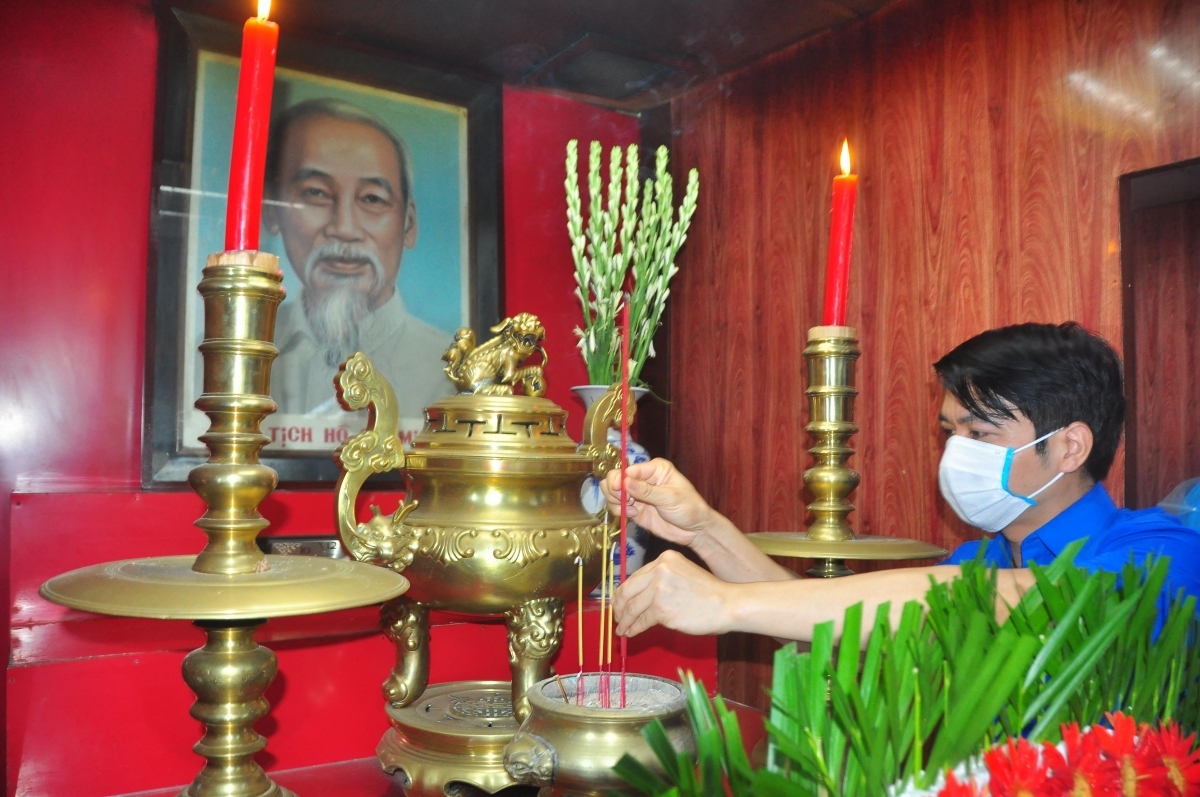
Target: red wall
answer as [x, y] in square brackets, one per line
[94, 705]
[77, 89]
[538, 266]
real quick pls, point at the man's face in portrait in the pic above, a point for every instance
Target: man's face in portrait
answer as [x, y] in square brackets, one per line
[344, 219]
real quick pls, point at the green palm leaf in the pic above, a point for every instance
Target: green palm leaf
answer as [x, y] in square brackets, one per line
[947, 681]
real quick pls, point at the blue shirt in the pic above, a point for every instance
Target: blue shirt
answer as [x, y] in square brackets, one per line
[1113, 537]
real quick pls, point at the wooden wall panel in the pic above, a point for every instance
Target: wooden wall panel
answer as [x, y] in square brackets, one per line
[989, 137]
[1166, 291]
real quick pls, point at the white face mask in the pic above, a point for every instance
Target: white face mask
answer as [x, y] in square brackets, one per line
[973, 476]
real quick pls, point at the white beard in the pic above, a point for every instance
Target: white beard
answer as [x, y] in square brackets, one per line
[334, 313]
[334, 316]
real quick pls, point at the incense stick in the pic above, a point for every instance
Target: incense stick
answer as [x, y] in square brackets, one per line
[624, 469]
[603, 595]
[604, 568]
[608, 632]
[579, 629]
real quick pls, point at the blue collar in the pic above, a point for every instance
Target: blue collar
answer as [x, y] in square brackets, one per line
[1090, 516]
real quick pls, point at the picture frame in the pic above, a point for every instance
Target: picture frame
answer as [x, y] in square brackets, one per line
[442, 130]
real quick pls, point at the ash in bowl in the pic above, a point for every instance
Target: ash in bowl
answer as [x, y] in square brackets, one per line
[643, 693]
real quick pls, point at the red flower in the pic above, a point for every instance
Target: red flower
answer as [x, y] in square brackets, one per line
[1178, 757]
[1084, 771]
[1017, 772]
[1142, 773]
[954, 788]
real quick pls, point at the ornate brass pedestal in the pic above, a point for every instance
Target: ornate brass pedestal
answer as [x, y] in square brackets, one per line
[231, 588]
[455, 734]
[831, 354]
[492, 525]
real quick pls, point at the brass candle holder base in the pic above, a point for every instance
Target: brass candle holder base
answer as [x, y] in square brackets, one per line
[167, 588]
[455, 734]
[229, 676]
[830, 355]
[231, 672]
[231, 587]
[832, 555]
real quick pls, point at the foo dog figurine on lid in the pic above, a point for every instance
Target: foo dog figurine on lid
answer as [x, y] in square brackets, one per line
[492, 522]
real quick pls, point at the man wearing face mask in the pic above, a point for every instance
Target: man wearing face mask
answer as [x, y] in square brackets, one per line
[1033, 415]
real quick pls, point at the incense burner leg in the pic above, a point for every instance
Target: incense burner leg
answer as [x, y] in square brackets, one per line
[406, 623]
[229, 676]
[534, 636]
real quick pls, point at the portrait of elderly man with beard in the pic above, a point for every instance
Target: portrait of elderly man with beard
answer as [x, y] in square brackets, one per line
[339, 185]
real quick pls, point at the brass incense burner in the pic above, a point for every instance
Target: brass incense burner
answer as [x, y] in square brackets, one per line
[491, 525]
[570, 750]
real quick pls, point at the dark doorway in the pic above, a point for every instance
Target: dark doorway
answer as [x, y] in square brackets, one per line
[1160, 265]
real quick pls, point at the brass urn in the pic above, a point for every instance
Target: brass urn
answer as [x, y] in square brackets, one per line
[492, 523]
[570, 749]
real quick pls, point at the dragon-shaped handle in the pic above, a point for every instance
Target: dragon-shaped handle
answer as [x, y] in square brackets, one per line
[384, 539]
[605, 413]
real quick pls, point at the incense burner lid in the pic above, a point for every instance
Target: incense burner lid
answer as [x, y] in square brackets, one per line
[479, 425]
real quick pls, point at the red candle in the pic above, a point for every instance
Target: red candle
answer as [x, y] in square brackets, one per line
[837, 272]
[243, 212]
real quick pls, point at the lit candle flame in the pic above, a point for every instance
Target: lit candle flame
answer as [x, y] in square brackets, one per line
[845, 156]
[264, 9]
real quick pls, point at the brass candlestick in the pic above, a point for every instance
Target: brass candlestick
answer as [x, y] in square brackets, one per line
[231, 587]
[830, 355]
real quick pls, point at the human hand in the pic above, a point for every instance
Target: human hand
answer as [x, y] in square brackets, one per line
[660, 500]
[673, 592]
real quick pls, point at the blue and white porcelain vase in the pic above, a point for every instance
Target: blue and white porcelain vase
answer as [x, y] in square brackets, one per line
[593, 500]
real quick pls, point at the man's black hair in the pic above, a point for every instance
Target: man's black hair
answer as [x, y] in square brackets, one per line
[1053, 374]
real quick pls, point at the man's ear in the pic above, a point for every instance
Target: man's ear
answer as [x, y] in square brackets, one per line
[410, 225]
[1078, 440]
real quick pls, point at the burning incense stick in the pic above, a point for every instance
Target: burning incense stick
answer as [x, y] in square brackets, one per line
[624, 469]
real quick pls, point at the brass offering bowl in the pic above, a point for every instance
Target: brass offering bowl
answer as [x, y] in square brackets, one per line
[570, 750]
[492, 523]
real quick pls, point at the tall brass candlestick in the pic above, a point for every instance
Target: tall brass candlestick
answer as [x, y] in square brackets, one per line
[830, 357]
[231, 588]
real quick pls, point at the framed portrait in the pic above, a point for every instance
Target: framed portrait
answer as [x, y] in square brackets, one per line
[381, 200]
